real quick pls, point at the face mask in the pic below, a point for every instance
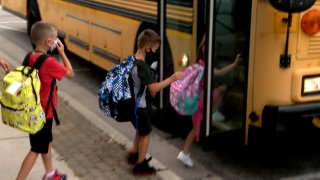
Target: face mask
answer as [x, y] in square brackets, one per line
[151, 57]
[54, 45]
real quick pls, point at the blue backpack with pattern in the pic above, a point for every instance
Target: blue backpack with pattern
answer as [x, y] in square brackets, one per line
[116, 94]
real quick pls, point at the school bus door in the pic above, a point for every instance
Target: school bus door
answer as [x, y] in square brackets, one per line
[228, 30]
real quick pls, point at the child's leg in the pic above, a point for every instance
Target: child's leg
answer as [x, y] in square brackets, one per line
[47, 160]
[217, 100]
[144, 129]
[190, 138]
[27, 165]
[184, 155]
[135, 145]
[143, 147]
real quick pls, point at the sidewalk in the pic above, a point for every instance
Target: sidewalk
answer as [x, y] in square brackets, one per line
[14, 146]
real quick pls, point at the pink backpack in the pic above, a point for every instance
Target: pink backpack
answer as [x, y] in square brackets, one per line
[185, 93]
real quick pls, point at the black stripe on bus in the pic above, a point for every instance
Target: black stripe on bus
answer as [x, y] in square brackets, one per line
[78, 19]
[181, 26]
[78, 42]
[185, 3]
[106, 55]
[107, 28]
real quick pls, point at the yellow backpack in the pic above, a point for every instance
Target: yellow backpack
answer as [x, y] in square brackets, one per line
[20, 98]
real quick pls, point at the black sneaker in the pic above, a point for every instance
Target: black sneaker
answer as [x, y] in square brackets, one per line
[132, 158]
[143, 169]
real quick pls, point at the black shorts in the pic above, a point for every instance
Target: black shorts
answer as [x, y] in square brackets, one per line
[144, 122]
[40, 141]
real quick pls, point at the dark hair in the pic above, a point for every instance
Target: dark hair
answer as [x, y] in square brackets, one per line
[148, 37]
[40, 30]
[200, 52]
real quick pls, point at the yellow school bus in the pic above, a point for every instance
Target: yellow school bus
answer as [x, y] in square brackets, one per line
[277, 83]
[105, 31]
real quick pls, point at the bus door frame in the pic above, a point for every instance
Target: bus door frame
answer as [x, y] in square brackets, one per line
[209, 64]
[162, 21]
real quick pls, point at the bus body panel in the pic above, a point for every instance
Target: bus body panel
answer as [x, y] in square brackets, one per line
[104, 38]
[96, 36]
[113, 36]
[17, 8]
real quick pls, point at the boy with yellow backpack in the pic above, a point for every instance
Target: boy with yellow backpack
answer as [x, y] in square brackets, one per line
[44, 36]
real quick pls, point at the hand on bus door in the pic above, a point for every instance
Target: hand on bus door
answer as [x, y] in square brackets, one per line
[238, 59]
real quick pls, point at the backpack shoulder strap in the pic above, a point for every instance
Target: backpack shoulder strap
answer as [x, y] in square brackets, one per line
[54, 111]
[26, 59]
[39, 61]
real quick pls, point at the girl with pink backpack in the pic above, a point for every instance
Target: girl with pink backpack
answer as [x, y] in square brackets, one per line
[184, 155]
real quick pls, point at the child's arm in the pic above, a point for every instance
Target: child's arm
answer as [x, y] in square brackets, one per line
[66, 62]
[156, 87]
[4, 64]
[225, 70]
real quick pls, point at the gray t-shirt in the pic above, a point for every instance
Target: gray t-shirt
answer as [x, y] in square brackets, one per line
[142, 76]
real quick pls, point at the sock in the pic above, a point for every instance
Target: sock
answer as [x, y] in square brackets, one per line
[50, 174]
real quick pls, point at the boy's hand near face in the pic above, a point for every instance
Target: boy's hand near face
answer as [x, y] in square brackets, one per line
[66, 62]
[60, 47]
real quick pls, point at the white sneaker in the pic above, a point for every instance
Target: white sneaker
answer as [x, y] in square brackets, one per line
[217, 116]
[185, 159]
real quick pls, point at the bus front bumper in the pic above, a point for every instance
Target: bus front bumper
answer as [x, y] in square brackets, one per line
[279, 118]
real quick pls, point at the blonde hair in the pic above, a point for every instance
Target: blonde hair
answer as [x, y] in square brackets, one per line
[41, 30]
[148, 37]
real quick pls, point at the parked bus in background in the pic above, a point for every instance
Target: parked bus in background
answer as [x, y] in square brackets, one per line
[277, 81]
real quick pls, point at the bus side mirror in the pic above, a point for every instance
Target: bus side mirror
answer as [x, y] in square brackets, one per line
[290, 6]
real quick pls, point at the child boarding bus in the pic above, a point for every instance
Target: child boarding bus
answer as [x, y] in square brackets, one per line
[277, 83]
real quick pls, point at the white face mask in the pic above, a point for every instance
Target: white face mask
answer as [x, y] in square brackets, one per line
[54, 45]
